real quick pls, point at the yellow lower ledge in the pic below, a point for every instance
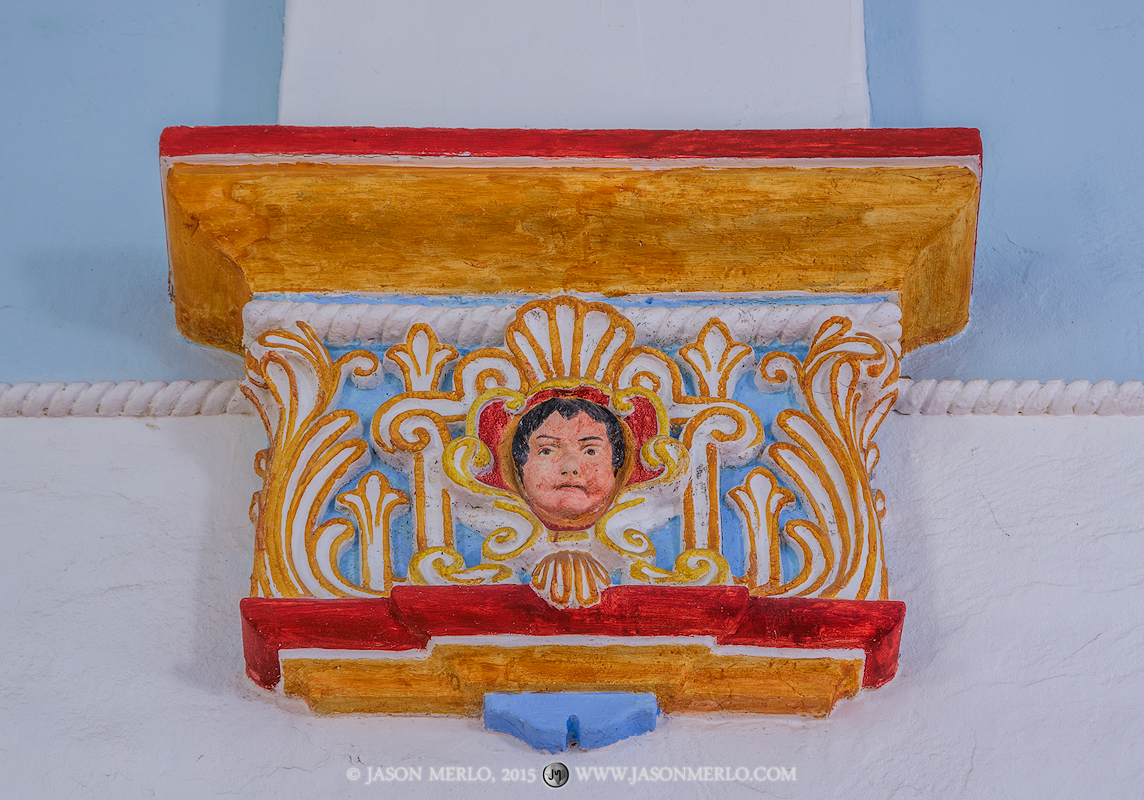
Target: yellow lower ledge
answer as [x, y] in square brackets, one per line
[454, 678]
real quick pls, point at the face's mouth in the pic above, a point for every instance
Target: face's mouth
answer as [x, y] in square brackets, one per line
[579, 486]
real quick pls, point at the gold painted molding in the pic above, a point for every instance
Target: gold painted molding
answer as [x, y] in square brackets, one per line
[454, 678]
[238, 230]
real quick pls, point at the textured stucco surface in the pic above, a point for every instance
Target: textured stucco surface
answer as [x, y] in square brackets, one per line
[1016, 544]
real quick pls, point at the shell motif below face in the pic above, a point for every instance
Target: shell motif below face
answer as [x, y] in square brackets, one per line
[570, 579]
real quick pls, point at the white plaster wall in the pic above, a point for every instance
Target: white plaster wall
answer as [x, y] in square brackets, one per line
[575, 64]
[1016, 544]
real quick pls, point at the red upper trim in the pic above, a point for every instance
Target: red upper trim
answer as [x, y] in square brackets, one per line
[296, 141]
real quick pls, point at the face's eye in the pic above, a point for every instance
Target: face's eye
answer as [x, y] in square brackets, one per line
[590, 451]
[544, 451]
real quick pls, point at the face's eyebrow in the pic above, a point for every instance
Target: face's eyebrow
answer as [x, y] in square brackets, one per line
[546, 436]
[590, 439]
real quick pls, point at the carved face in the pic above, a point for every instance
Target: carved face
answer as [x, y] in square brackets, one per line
[568, 479]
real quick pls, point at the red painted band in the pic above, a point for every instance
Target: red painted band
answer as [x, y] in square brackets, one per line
[872, 626]
[413, 614]
[622, 611]
[505, 143]
[273, 624]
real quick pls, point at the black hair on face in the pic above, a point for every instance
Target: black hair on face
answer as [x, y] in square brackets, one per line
[567, 407]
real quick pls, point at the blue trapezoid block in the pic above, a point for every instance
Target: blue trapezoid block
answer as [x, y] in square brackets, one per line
[553, 722]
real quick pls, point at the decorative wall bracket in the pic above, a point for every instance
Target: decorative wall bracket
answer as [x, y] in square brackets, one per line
[701, 492]
[660, 493]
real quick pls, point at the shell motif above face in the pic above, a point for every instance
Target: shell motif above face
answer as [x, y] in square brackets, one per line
[567, 337]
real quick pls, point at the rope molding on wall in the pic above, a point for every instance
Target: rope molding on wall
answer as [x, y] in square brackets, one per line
[127, 399]
[1027, 398]
[927, 397]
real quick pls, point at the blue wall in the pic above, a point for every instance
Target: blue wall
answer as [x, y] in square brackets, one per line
[1054, 86]
[85, 88]
[1057, 89]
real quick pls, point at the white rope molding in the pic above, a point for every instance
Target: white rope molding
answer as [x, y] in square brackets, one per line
[928, 397]
[1027, 398]
[127, 399]
[763, 324]
[342, 324]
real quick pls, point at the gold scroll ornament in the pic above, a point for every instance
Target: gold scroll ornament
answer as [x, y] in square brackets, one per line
[847, 385]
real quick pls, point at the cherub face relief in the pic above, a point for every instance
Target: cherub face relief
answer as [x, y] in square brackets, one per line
[569, 478]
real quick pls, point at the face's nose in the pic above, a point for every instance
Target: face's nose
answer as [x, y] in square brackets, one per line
[570, 464]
